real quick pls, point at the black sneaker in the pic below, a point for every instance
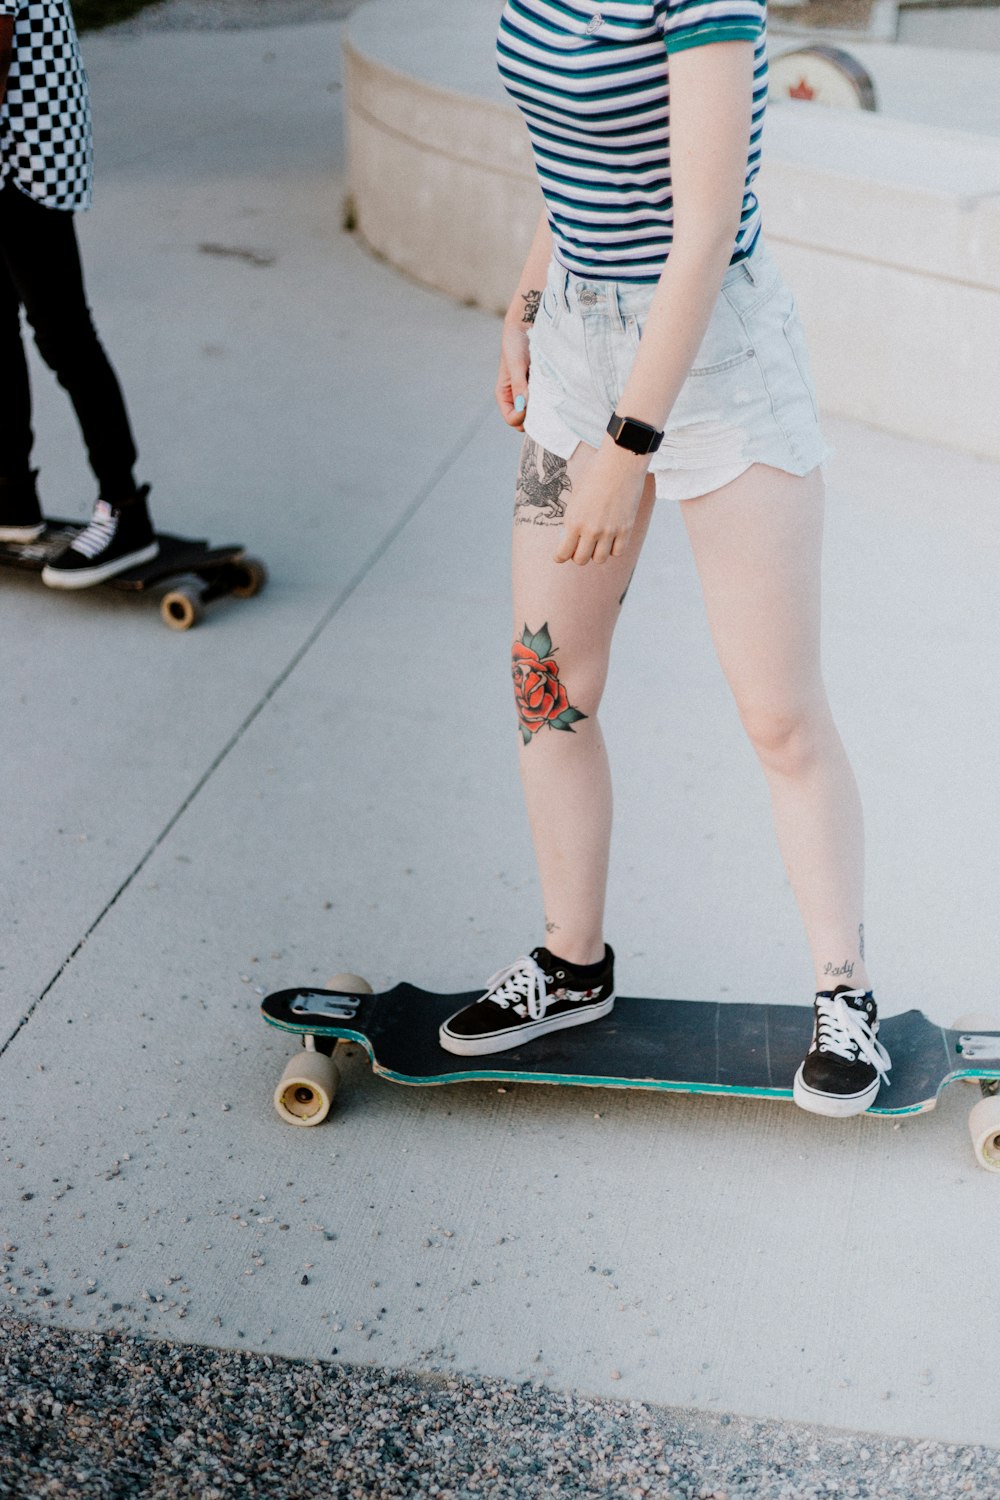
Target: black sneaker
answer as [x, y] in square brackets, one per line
[119, 537]
[845, 1065]
[21, 518]
[536, 994]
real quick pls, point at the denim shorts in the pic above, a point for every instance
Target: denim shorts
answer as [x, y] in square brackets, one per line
[748, 397]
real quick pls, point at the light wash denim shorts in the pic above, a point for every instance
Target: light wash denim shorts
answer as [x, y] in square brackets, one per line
[748, 398]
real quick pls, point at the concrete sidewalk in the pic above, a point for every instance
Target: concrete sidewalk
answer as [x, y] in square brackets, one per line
[325, 778]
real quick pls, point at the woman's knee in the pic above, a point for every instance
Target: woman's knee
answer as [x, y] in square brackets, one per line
[554, 684]
[787, 740]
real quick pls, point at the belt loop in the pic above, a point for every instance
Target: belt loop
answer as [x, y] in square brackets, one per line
[616, 304]
[564, 290]
[748, 269]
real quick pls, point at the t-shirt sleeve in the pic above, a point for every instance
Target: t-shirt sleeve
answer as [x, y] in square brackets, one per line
[695, 23]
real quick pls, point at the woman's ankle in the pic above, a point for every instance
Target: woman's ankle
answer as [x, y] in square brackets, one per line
[580, 952]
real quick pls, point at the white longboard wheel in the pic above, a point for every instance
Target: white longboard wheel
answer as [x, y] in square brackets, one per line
[984, 1127]
[975, 1020]
[182, 608]
[350, 984]
[307, 1088]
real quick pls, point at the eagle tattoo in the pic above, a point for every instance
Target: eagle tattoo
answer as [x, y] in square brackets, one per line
[542, 491]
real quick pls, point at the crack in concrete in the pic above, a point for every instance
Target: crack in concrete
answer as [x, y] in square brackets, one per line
[353, 583]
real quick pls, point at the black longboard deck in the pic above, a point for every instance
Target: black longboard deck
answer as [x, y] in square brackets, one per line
[177, 555]
[687, 1046]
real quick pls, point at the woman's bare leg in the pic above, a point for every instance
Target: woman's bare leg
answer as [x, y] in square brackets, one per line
[564, 618]
[757, 544]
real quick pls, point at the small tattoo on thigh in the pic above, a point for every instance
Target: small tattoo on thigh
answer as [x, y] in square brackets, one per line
[542, 482]
[861, 939]
[842, 971]
[541, 699]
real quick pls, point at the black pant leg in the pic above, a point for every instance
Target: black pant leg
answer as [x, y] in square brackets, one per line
[16, 437]
[40, 249]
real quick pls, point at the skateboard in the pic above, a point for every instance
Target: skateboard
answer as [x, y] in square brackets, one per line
[189, 572]
[682, 1046]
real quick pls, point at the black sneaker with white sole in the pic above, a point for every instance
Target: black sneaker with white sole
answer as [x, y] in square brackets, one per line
[846, 1063]
[536, 994]
[119, 537]
[21, 518]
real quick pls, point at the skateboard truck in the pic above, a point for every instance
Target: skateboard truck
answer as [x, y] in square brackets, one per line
[978, 1048]
[322, 1003]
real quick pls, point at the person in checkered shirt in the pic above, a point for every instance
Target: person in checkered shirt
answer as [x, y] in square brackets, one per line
[45, 177]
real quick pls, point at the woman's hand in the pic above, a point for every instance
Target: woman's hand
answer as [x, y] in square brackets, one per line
[601, 512]
[512, 378]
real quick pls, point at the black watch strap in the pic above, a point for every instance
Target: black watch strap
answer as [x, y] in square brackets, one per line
[637, 437]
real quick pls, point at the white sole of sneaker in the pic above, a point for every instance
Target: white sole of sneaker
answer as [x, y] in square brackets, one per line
[834, 1106]
[21, 533]
[85, 578]
[486, 1046]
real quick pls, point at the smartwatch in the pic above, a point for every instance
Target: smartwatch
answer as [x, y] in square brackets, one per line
[637, 437]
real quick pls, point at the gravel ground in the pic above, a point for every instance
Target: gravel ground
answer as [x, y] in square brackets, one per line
[98, 1414]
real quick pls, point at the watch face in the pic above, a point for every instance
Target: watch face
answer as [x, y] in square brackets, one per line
[637, 437]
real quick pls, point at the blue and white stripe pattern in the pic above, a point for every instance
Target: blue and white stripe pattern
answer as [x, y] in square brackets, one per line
[591, 79]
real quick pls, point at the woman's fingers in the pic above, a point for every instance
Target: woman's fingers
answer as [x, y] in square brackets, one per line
[512, 379]
[603, 548]
[567, 547]
[581, 546]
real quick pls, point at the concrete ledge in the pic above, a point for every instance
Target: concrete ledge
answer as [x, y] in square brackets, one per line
[889, 231]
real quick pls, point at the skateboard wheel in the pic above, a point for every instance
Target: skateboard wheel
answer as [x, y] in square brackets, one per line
[984, 1127]
[307, 1088]
[250, 575]
[350, 984]
[975, 1020]
[182, 608]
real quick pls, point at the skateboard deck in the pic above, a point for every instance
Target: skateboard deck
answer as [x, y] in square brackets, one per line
[682, 1046]
[190, 571]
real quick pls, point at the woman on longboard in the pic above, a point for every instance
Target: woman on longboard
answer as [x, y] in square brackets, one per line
[666, 361]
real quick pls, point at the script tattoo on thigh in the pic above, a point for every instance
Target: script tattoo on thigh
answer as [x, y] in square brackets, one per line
[542, 482]
[541, 698]
[532, 301]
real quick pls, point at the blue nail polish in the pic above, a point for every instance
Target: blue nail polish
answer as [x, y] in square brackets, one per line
[520, 404]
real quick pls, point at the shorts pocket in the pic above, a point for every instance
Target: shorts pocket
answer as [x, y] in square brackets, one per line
[725, 345]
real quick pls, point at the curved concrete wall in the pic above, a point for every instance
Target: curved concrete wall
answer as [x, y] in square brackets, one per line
[888, 231]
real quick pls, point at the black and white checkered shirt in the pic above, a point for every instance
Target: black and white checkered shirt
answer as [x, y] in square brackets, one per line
[45, 142]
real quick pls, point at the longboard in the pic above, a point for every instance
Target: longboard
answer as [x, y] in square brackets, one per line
[192, 572]
[680, 1046]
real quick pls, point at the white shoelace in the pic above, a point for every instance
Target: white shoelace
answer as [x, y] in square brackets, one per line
[845, 1031]
[100, 533]
[521, 987]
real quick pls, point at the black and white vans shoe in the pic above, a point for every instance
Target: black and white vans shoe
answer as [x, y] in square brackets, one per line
[119, 537]
[537, 994]
[21, 518]
[846, 1063]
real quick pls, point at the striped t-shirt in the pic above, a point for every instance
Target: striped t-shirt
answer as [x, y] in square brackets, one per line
[591, 78]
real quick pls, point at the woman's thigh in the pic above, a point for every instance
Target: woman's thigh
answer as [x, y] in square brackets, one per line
[571, 608]
[757, 545]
